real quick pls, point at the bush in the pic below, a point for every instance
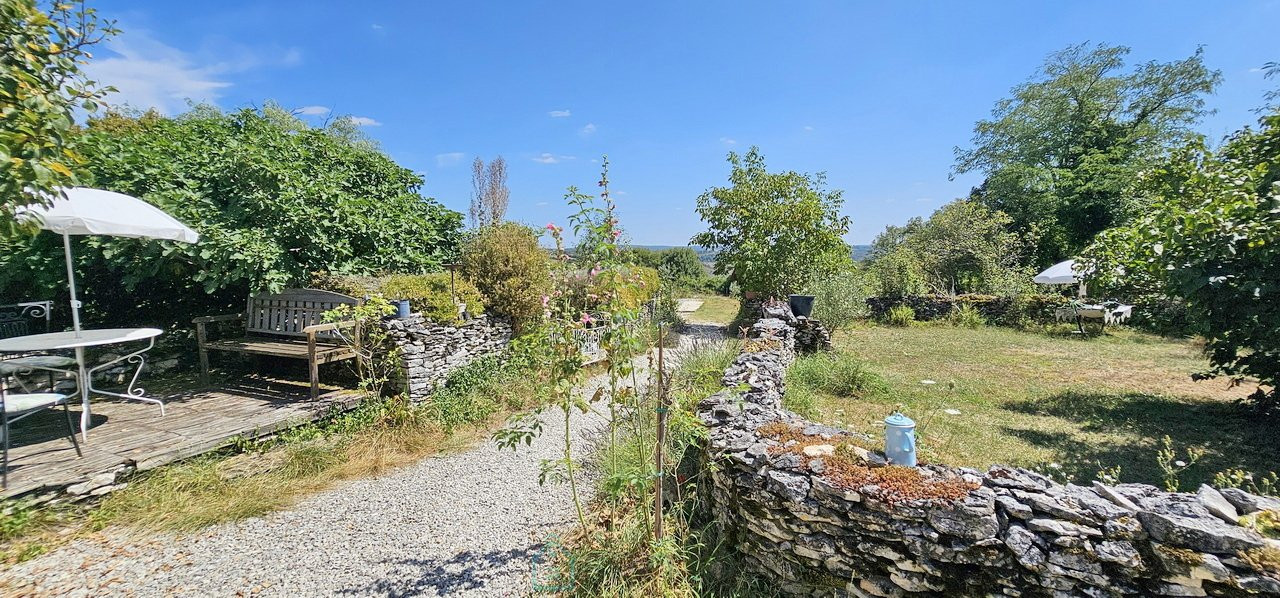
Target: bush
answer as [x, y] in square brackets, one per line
[900, 315]
[429, 294]
[898, 274]
[965, 315]
[1019, 311]
[840, 299]
[511, 270]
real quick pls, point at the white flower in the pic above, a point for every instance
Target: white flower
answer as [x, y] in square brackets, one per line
[1054, 466]
[927, 382]
[1180, 463]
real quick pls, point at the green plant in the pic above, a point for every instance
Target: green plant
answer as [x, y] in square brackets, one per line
[272, 198]
[1060, 155]
[965, 315]
[42, 87]
[837, 374]
[840, 298]
[377, 362]
[438, 296]
[511, 270]
[775, 232]
[1267, 484]
[1171, 466]
[1212, 238]
[900, 315]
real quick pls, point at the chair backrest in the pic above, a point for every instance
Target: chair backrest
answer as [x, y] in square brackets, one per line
[21, 319]
[286, 313]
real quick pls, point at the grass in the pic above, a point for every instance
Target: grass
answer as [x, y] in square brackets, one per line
[616, 555]
[1065, 404]
[255, 478]
[715, 309]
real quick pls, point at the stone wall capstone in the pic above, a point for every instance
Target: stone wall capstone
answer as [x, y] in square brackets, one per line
[431, 350]
[808, 506]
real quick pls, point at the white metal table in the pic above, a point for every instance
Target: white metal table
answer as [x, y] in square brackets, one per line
[78, 341]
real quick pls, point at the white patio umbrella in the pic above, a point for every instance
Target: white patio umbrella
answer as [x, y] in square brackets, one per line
[1064, 272]
[84, 211]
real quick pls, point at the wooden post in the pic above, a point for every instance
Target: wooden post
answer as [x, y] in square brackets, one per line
[662, 440]
[204, 354]
[312, 366]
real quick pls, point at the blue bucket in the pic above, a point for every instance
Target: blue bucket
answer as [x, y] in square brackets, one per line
[402, 308]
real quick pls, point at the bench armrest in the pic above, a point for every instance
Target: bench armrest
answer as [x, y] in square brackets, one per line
[314, 328]
[222, 318]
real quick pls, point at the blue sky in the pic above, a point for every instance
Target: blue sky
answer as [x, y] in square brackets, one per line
[876, 95]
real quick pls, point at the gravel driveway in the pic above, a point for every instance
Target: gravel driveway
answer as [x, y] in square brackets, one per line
[466, 524]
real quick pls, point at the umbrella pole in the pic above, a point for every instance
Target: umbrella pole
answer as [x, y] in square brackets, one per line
[71, 280]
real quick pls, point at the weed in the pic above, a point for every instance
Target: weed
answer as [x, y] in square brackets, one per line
[841, 375]
[900, 315]
[1266, 559]
[965, 315]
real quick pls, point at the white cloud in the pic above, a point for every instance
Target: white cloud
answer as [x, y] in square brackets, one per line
[312, 110]
[540, 204]
[449, 159]
[376, 27]
[1255, 69]
[924, 199]
[148, 73]
[728, 141]
[588, 130]
[559, 113]
[547, 158]
[363, 121]
[808, 127]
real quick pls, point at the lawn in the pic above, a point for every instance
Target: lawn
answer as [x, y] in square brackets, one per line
[715, 309]
[1063, 403]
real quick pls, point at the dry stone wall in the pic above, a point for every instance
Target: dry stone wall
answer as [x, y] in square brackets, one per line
[431, 350]
[809, 506]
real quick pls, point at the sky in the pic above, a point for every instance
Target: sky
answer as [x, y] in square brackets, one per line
[877, 95]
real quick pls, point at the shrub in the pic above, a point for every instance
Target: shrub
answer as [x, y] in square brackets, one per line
[431, 295]
[898, 274]
[511, 270]
[900, 315]
[840, 299]
[966, 315]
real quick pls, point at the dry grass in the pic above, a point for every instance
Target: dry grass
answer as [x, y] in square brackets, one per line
[1035, 399]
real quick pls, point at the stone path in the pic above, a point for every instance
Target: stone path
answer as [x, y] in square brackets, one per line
[467, 524]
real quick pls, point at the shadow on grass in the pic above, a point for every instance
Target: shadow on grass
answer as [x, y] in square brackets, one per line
[1231, 435]
[464, 571]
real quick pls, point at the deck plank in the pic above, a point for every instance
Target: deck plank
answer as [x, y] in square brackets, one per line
[134, 433]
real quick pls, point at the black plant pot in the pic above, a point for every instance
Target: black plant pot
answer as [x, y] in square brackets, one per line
[801, 305]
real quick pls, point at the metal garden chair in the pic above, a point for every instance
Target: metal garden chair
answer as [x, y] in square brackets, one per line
[22, 319]
[14, 407]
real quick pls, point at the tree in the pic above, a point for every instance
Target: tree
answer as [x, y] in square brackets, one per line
[1059, 156]
[41, 87]
[272, 199]
[1212, 238]
[490, 194]
[964, 247]
[775, 231]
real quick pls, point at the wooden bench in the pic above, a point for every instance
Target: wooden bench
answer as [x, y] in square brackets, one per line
[285, 324]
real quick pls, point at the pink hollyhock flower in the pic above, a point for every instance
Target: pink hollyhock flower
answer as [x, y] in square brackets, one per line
[586, 318]
[596, 270]
[551, 226]
[617, 233]
[545, 299]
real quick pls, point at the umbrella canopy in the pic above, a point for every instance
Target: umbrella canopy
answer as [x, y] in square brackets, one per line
[84, 211]
[1059, 273]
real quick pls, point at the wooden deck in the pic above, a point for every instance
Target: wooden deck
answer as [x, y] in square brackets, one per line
[133, 435]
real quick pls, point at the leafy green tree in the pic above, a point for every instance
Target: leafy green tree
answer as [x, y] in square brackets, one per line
[1059, 155]
[272, 199]
[1212, 238]
[41, 87]
[964, 247]
[681, 264]
[775, 232]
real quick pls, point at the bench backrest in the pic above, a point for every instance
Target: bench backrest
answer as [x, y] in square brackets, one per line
[286, 313]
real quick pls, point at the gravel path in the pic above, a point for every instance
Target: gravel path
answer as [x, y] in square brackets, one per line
[466, 524]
